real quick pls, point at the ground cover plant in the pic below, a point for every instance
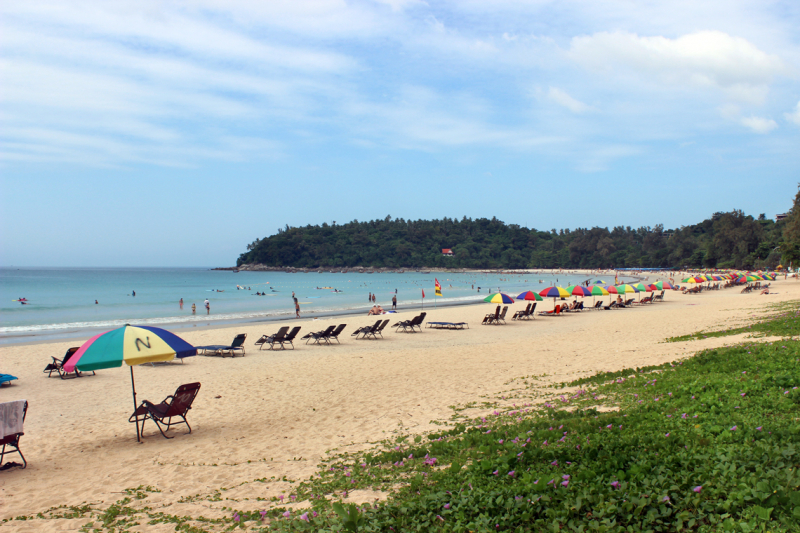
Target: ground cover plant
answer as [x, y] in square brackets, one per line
[783, 320]
[708, 443]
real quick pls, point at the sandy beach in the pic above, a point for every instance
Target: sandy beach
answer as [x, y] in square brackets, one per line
[277, 413]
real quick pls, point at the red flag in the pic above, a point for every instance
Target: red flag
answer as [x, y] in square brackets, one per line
[423, 293]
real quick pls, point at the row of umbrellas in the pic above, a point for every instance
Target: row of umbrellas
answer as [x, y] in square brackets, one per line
[579, 290]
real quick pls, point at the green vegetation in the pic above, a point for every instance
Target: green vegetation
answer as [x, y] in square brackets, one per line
[726, 240]
[783, 323]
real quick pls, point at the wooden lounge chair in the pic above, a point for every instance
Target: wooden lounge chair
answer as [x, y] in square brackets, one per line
[277, 338]
[12, 418]
[222, 350]
[336, 332]
[57, 366]
[174, 406]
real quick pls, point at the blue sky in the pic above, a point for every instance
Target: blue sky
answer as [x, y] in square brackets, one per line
[150, 133]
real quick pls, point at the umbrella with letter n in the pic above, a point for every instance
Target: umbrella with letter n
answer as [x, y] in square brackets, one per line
[132, 345]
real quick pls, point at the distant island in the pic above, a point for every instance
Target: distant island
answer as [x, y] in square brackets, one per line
[725, 240]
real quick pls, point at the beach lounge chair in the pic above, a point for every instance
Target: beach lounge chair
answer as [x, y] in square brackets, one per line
[377, 331]
[448, 325]
[555, 312]
[222, 350]
[6, 378]
[521, 313]
[598, 305]
[277, 338]
[502, 316]
[491, 317]
[289, 339]
[415, 322]
[365, 329]
[319, 335]
[174, 406]
[12, 418]
[57, 366]
[336, 332]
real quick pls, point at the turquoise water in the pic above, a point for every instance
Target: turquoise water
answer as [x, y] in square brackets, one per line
[63, 299]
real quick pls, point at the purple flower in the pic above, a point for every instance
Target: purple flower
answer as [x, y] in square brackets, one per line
[411, 456]
[667, 435]
[565, 476]
[536, 482]
[236, 516]
[565, 483]
[263, 514]
[698, 488]
[733, 428]
[511, 473]
[495, 472]
[743, 394]
[665, 499]
[758, 428]
[609, 426]
[554, 463]
[447, 506]
[615, 484]
[440, 518]
[304, 516]
[500, 441]
[287, 514]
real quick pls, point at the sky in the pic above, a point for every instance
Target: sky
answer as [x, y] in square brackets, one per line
[147, 133]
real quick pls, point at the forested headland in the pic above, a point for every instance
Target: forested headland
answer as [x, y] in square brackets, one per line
[725, 240]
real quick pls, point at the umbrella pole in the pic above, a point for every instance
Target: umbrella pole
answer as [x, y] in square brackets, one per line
[133, 388]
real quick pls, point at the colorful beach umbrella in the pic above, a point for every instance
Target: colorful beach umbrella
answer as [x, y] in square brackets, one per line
[579, 290]
[599, 290]
[530, 295]
[499, 298]
[554, 292]
[661, 285]
[132, 345]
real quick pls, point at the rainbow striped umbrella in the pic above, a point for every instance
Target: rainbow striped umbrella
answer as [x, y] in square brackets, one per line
[530, 295]
[661, 285]
[499, 298]
[553, 292]
[578, 290]
[132, 345]
[599, 290]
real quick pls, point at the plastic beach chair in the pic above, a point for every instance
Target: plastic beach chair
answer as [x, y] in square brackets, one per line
[12, 418]
[57, 366]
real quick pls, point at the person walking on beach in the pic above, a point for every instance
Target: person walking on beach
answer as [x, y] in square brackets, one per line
[181, 302]
[394, 303]
[296, 308]
[208, 306]
[194, 309]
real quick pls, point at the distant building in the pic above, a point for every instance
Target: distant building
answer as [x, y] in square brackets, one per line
[447, 251]
[781, 216]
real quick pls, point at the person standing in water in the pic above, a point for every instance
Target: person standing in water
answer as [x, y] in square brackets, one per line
[181, 302]
[194, 309]
[394, 303]
[296, 308]
[133, 293]
[208, 307]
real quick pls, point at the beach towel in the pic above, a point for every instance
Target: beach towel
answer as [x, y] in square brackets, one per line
[11, 415]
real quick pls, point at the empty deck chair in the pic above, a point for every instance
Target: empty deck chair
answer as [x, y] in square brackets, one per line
[174, 406]
[491, 317]
[502, 316]
[319, 335]
[409, 325]
[12, 417]
[365, 329]
[289, 339]
[377, 331]
[222, 350]
[57, 366]
[336, 332]
[277, 338]
[521, 313]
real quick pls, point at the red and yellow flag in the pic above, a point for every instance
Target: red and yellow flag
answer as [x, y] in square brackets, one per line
[438, 287]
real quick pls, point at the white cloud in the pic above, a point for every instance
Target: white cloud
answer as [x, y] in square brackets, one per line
[709, 59]
[563, 99]
[794, 116]
[759, 124]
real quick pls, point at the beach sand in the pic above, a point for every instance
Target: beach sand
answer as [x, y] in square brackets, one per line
[277, 413]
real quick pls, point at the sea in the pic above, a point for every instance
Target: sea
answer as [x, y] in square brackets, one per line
[76, 302]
